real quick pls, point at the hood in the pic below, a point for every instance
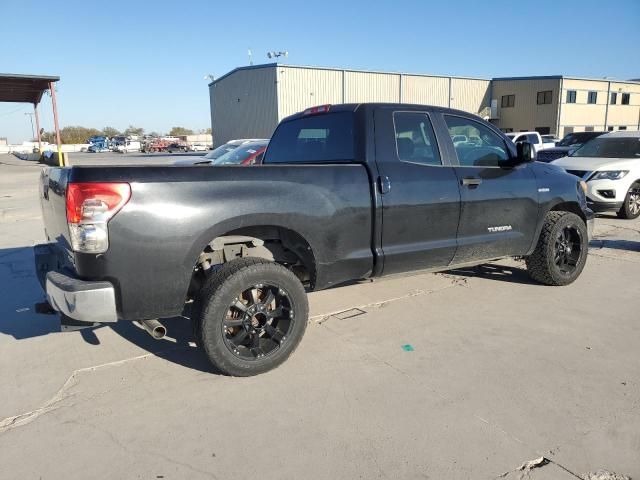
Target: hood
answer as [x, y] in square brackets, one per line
[596, 163]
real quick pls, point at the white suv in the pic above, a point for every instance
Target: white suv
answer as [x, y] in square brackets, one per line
[610, 164]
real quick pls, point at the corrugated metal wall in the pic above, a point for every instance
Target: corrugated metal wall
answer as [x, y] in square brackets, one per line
[300, 88]
[527, 114]
[249, 102]
[470, 95]
[244, 105]
[425, 90]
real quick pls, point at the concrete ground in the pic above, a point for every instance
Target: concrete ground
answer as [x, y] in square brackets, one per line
[466, 374]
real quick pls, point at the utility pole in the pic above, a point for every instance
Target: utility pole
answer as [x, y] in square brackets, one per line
[33, 133]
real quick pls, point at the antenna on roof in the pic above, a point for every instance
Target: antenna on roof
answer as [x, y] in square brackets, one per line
[250, 53]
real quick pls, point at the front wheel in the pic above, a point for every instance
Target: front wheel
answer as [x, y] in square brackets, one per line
[250, 316]
[631, 207]
[561, 252]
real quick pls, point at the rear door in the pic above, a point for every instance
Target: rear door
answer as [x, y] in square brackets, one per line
[419, 192]
[499, 202]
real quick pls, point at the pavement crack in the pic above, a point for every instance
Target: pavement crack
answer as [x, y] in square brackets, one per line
[62, 394]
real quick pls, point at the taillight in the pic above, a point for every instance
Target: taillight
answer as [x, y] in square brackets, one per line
[89, 207]
[317, 110]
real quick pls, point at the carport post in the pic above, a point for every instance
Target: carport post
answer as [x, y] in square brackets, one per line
[55, 123]
[35, 111]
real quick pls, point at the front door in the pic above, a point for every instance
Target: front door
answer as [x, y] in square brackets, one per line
[499, 201]
[419, 192]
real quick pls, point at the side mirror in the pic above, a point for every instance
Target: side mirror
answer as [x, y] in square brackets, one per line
[526, 152]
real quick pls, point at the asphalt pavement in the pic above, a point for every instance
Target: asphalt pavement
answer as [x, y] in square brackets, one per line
[459, 375]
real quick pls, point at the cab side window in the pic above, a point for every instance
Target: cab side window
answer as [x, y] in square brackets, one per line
[415, 140]
[487, 148]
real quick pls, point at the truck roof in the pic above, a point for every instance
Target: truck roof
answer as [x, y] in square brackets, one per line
[352, 107]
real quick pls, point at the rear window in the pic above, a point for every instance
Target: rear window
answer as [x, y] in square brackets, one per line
[319, 138]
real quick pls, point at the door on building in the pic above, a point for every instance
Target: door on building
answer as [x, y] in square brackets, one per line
[568, 130]
[498, 201]
[543, 130]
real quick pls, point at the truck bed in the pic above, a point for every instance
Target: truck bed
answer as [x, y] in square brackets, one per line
[175, 211]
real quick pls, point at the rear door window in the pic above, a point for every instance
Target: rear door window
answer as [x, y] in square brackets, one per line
[415, 140]
[322, 138]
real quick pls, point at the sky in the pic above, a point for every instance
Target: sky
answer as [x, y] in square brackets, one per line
[143, 63]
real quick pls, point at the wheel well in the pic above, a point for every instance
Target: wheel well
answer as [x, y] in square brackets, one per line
[569, 207]
[278, 244]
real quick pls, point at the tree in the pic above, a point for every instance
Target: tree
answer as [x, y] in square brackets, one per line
[206, 131]
[155, 134]
[110, 132]
[131, 130]
[72, 134]
[177, 131]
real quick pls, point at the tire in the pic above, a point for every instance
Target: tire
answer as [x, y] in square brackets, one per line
[631, 207]
[561, 252]
[242, 332]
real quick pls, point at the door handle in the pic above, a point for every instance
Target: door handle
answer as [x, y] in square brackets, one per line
[384, 184]
[471, 181]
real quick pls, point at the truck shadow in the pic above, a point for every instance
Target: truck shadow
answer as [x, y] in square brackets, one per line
[495, 271]
[629, 245]
[20, 290]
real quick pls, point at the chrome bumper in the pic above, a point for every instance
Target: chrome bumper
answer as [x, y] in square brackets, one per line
[81, 300]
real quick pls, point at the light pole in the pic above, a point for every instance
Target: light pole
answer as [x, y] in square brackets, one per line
[283, 53]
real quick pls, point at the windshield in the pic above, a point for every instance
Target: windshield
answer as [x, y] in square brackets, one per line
[240, 154]
[610, 147]
[577, 138]
[221, 150]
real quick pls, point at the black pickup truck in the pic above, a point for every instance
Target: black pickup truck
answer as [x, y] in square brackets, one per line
[345, 192]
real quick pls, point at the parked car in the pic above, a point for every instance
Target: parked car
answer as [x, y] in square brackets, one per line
[218, 152]
[344, 192]
[533, 138]
[250, 153]
[198, 147]
[128, 146]
[610, 165]
[177, 147]
[550, 139]
[571, 141]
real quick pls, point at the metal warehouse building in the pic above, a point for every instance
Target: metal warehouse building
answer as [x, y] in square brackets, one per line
[248, 102]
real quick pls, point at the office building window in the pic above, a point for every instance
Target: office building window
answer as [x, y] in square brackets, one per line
[588, 129]
[626, 97]
[609, 129]
[508, 101]
[622, 128]
[592, 97]
[545, 97]
[614, 98]
[571, 96]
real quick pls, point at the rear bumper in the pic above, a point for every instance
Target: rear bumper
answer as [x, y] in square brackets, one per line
[78, 299]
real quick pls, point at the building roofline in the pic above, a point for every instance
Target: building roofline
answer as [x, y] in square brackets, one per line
[566, 77]
[338, 69]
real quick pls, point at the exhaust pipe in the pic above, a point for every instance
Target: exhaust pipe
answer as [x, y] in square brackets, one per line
[154, 328]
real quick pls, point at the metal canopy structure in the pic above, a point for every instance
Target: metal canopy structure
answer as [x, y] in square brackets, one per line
[18, 88]
[24, 88]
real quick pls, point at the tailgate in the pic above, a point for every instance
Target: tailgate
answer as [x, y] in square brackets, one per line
[53, 189]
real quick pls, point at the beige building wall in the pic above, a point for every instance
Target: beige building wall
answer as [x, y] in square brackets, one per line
[470, 95]
[625, 115]
[580, 115]
[526, 114]
[371, 87]
[301, 88]
[424, 90]
[244, 104]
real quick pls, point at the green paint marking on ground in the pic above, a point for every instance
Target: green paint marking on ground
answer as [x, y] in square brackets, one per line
[407, 348]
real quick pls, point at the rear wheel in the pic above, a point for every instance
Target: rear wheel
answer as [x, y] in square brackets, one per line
[250, 316]
[631, 207]
[561, 252]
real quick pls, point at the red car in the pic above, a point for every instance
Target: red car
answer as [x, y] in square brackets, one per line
[248, 154]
